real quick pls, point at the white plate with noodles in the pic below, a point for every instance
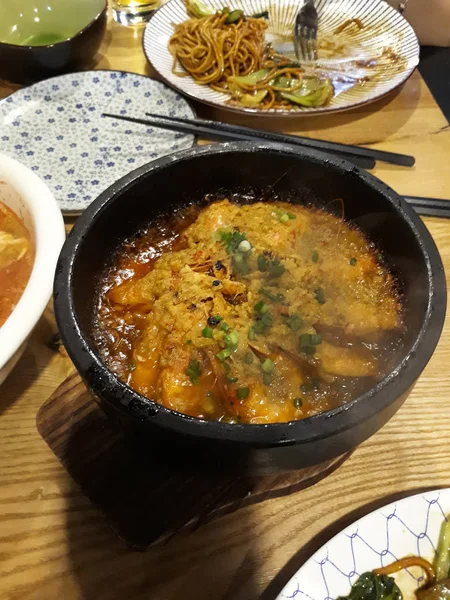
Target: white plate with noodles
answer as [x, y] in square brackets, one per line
[239, 54]
[398, 552]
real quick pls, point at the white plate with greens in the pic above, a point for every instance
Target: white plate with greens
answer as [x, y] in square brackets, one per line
[410, 527]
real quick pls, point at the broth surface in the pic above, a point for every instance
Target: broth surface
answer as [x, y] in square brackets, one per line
[254, 313]
[16, 260]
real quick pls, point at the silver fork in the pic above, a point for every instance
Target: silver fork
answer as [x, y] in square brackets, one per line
[305, 32]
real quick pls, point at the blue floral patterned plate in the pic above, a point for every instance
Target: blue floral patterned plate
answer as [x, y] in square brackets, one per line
[408, 527]
[55, 128]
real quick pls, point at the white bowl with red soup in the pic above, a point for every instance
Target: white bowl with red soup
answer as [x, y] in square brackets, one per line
[31, 236]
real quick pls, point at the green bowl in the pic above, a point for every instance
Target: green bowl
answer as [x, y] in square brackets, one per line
[42, 38]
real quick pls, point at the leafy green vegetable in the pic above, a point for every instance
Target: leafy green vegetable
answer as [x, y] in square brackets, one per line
[231, 240]
[234, 16]
[251, 79]
[207, 332]
[197, 9]
[374, 587]
[443, 552]
[261, 15]
[253, 99]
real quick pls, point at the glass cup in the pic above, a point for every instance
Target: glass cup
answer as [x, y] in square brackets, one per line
[132, 12]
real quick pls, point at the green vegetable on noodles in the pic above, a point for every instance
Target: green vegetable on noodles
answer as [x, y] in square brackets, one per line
[225, 327]
[253, 99]
[352, 262]
[207, 332]
[197, 9]
[313, 93]
[261, 15]
[251, 79]
[315, 256]
[234, 16]
[443, 552]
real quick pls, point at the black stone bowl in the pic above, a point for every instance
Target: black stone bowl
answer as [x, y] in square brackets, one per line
[251, 169]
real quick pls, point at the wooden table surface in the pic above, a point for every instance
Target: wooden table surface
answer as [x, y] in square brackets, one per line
[55, 545]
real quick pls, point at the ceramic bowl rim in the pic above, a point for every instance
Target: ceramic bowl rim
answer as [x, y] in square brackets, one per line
[49, 235]
[317, 427]
[62, 42]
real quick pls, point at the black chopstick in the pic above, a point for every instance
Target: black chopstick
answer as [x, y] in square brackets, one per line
[197, 128]
[430, 207]
[390, 157]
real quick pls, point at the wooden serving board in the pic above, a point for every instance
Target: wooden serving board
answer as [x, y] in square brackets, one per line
[143, 500]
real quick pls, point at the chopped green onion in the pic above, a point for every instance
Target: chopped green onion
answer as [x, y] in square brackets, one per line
[298, 402]
[316, 339]
[207, 332]
[284, 218]
[308, 350]
[315, 256]
[262, 262]
[259, 327]
[232, 338]
[244, 246]
[276, 269]
[230, 378]
[268, 366]
[261, 307]
[225, 326]
[239, 264]
[291, 216]
[352, 262]
[248, 358]
[320, 295]
[231, 240]
[242, 393]
[267, 319]
[275, 298]
[251, 334]
[224, 354]
[266, 377]
[188, 341]
[294, 322]
[193, 370]
[213, 321]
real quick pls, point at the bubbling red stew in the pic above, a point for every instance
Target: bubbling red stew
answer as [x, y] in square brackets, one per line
[16, 260]
[252, 313]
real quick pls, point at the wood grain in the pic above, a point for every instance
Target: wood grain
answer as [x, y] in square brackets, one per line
[148, 502]
[55, 545]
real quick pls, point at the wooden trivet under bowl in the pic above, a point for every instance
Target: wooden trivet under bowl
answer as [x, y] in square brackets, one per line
[146, 502]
